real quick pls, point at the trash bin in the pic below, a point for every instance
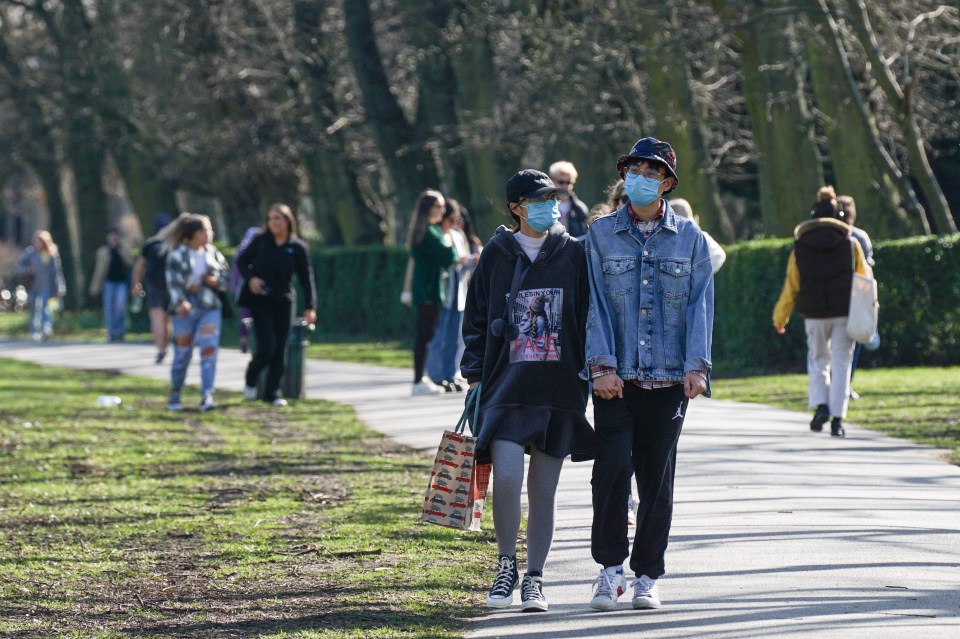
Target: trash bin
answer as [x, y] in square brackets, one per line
[295, 362]
[294, 370]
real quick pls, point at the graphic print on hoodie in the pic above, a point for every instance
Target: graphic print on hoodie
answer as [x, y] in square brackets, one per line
[539, 315]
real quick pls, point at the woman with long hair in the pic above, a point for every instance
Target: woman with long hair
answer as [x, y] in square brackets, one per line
[431, 255]
[196, 274]
[41, 273]
[267, 266]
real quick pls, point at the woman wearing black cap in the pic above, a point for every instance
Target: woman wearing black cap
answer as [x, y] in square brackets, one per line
[523, 328]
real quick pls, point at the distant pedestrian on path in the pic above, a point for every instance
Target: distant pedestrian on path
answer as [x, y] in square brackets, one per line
[717, 255]
[524, 329]
[446, 348]
[196, 273]
[149, 278]
[573, 212]
[431, 255]
[237, 284]
[648, 354]
[850, 217]
[819, 276]
[111, 277]
[41, 274]
[268, 266]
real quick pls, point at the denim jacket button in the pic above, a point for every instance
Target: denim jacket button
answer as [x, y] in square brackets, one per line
[644, 282]
[642, 343]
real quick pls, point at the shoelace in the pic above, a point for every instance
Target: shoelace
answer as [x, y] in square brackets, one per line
[604, 585]
[531, 589]
[643, 585]
[503, 583]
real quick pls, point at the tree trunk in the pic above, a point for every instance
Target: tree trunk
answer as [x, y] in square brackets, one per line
[343, 216]
[475, 103]
[862, 167]
[788, 161]
[679, 121]
[900, 100]
[410, 164]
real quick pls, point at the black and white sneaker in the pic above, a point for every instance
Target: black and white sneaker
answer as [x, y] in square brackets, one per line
[531, 593]
[501, 592]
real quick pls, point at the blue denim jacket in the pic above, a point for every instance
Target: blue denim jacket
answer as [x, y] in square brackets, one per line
[651, 303]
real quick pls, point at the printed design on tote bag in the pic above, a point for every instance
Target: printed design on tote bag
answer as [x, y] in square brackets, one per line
[458, 486]
[538, 313]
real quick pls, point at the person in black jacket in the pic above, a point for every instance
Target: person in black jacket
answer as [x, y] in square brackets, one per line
[523, 330]
[267, 266]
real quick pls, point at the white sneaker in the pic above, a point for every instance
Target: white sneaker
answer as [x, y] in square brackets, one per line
[607, 589]
[426, 387]
[646, 596]
[174, 403]
[250, 393]
[280, 402]
[207, 403]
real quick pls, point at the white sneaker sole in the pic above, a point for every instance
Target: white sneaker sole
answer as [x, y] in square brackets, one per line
[645, 603]
[603, 604]
[499, 602]
[534, 606]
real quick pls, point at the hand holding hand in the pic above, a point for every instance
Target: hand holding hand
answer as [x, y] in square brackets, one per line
[256, 285]
[608, 386]
[184, 308]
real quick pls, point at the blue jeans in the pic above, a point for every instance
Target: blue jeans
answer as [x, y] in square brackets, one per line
[115, 308]
[200, 327]
[446, 349]
[41, 320]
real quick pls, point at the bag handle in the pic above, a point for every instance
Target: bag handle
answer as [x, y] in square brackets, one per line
[473, 399]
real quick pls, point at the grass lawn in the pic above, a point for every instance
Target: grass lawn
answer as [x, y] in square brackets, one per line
[919, 404]
[243, 522]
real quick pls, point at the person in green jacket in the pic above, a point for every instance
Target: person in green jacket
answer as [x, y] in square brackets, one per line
[431, 255]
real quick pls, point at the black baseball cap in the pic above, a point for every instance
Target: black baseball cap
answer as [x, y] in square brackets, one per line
[530, 184]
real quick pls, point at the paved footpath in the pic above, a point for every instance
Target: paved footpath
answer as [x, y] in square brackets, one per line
[778, 532]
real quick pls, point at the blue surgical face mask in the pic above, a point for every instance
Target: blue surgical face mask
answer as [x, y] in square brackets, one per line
[641, 190]
[542, 215]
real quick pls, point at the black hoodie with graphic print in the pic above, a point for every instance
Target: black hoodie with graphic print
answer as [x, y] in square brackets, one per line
[529, 362]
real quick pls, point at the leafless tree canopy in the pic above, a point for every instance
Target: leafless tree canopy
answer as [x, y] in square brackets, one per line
[350, 108]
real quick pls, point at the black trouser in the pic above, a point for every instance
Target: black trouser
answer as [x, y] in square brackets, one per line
[427, 317]
[639, 433]
[271, 326]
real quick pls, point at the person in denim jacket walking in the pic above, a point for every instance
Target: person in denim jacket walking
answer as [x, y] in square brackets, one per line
[649, 332]
[196, 274]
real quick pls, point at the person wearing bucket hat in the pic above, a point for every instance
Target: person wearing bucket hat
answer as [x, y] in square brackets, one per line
[523, 330]
[648, 354]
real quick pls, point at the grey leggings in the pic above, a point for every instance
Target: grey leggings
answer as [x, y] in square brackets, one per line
[542, 481]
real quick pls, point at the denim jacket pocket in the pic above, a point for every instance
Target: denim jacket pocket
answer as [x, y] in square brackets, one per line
[674, 279]
[618, 275]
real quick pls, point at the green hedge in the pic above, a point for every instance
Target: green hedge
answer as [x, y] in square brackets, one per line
[358, 293]
[919, 289]
[919, 281]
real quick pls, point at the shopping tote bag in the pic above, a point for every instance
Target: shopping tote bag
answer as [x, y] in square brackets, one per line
[864, 308]
[458, 484]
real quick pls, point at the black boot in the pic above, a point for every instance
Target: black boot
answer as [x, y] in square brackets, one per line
[836, 428]
[820, 418]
